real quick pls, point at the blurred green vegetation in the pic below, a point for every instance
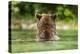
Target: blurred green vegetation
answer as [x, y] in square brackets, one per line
[27, 10]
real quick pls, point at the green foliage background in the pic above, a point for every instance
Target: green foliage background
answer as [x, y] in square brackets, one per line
[27, 10]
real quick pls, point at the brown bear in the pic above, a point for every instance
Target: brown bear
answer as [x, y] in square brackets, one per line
[46, 27]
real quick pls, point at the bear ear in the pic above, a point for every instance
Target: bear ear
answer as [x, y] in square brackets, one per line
[38, 16]
[53, 16]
